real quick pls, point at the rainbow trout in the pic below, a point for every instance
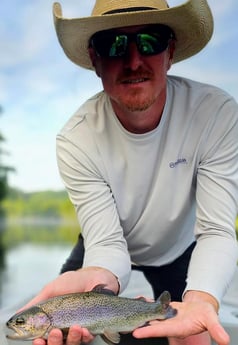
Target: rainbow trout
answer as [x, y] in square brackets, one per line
[99, 310]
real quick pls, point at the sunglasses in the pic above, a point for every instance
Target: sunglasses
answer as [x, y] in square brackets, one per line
[149, 41]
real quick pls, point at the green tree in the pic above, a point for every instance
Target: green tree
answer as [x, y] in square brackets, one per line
[4, 170]
[3, 175]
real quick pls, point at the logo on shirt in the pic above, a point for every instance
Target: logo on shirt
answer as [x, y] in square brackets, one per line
[178, 161]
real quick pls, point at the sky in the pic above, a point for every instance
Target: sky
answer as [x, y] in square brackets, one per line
[40, 88]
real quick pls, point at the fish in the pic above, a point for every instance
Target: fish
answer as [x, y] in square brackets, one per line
[99, 310]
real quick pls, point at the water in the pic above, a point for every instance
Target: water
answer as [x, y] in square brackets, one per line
[28, 267]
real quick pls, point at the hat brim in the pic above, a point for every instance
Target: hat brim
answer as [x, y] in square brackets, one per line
[192, 23]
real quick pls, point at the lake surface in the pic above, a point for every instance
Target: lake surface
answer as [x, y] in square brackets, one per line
[27, 268]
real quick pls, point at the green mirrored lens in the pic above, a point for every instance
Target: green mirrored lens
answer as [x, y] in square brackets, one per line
[108, 44]
[119, 46]
[151, 44]
[146, 44]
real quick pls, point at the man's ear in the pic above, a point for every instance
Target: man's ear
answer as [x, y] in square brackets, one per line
[171, 49]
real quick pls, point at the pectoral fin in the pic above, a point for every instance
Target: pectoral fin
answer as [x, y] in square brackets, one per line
[65, 332]
[111, 338]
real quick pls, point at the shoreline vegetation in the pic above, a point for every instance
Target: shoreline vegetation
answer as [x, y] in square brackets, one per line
[42, 204]
[45, 217]
[39, 217]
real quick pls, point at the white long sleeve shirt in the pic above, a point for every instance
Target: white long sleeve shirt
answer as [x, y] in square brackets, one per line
[144, 198]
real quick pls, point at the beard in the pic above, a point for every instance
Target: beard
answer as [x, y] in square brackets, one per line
[135, 99]
[135, 102]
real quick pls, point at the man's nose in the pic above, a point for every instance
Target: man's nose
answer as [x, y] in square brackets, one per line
[133, 58]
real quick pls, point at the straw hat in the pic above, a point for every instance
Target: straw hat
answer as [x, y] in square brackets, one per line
[191, 22]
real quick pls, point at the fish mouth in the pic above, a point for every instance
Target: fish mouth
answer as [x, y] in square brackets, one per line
[18, 334]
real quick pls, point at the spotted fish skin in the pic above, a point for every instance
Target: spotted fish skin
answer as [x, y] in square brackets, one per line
[99, 310]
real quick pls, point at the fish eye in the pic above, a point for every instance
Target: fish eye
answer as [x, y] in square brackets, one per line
[20, 320]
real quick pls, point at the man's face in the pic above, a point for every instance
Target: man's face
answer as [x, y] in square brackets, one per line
[134, 82]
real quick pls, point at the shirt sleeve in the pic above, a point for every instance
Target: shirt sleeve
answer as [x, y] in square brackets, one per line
[105, 245]
[214, 258]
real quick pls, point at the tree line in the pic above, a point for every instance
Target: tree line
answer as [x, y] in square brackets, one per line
[51, 205]
[4, 170]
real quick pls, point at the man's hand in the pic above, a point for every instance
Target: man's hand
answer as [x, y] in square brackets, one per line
[76, 336]
[196, 315]
[84, 279]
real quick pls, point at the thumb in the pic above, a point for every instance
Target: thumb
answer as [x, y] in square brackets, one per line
[218, 334]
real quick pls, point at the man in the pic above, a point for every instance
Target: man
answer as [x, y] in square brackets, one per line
[151, 166]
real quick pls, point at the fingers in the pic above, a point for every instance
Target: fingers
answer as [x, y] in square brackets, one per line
[156, 329]
[55, 338]
[39, 342]
[218, 333]
[76, 336]
[214, 327]
[199, 339]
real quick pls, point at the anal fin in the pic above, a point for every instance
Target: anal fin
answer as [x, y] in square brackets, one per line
[111, 338]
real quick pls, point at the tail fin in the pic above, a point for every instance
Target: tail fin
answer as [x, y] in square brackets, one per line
[164, 300]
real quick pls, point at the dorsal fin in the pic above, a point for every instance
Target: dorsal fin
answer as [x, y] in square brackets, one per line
[100, 288]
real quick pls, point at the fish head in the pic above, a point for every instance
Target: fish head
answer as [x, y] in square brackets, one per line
[28, 324]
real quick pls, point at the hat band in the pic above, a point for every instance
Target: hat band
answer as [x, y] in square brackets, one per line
[131, 9]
